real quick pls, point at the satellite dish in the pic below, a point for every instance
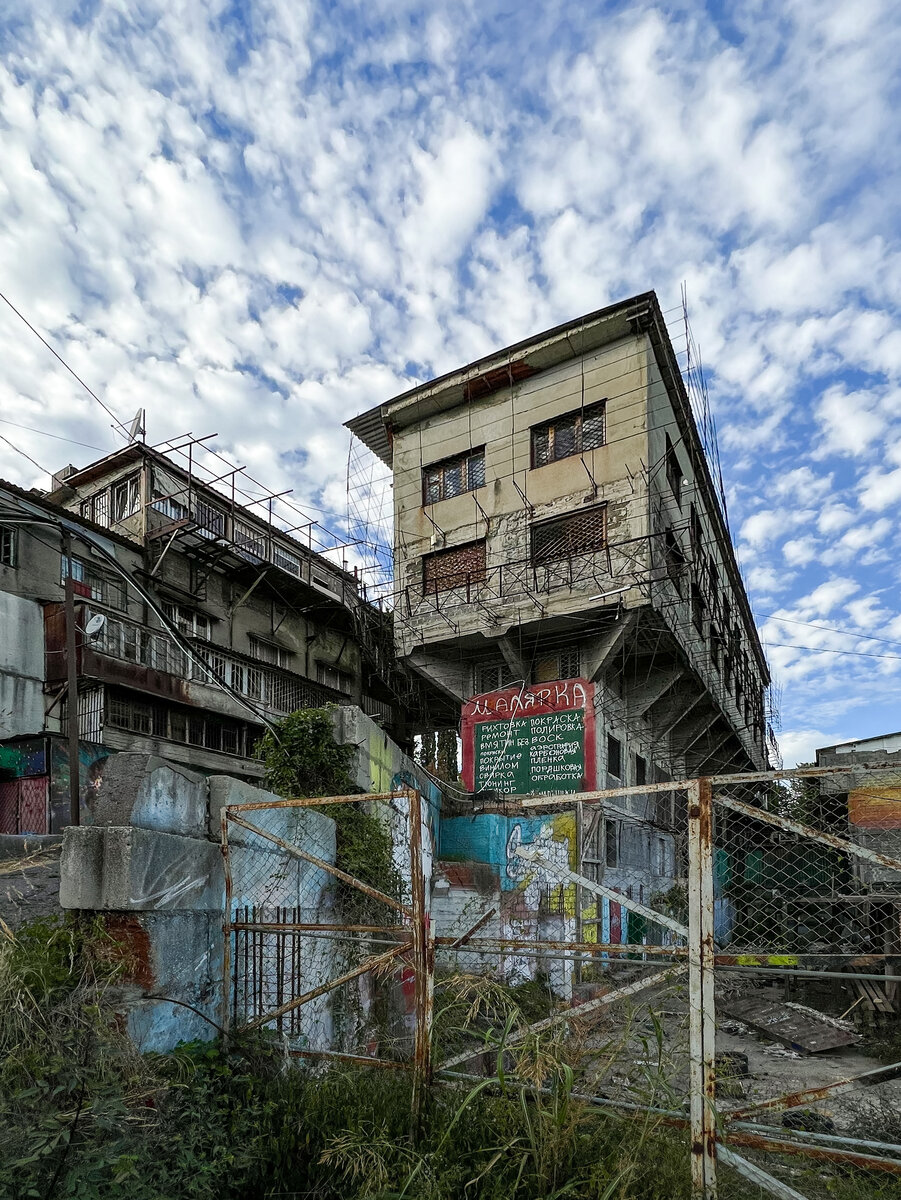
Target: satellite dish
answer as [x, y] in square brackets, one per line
[94, 626]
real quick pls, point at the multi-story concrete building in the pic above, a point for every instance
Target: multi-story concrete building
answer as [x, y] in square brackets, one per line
[555, 518]
[196, 623]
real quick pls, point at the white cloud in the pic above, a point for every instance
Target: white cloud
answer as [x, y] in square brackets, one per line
[800, 745]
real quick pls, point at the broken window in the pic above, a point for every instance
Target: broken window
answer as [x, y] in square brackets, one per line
[454, 476]
[576, 533]
[456, 567]
[573, 433]
[673, 471]
[9, 546]
[674, 558]
[126, 499]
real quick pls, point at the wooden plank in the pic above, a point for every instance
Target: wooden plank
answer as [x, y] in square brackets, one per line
[799, 1031]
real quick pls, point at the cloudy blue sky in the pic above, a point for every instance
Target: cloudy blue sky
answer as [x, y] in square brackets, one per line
[257, 219]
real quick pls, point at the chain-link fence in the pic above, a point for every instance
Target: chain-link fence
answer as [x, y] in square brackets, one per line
[718, 955]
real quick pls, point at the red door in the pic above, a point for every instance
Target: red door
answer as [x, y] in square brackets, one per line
[23, 805]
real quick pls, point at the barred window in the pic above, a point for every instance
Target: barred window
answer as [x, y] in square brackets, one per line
[91, 584]
[9, 546]
[491, 677]
[458, 566]
[126, 498]
[572, 433]
[333, 678]
[565, 665]
[576, 533]
[454, 476]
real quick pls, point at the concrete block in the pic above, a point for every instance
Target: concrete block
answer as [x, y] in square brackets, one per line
[224, 790]
[151, 793]
[124, 868]
[175, 960]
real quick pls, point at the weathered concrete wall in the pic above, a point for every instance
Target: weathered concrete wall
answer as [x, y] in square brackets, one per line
[21, 666]
[151, 862]
[29, 877]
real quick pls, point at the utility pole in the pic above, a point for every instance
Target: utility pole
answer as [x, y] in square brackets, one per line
[72, 687]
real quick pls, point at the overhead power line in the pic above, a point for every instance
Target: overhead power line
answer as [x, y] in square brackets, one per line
[123, 429]
[828, 650]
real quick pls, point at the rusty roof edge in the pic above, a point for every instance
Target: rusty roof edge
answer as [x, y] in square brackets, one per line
[371, 427]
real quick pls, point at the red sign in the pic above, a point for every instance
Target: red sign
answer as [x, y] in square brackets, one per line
[528, 713]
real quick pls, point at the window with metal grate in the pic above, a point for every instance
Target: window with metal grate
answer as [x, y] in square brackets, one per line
[454, 476]
[572, 433]
[456, 567]
[576, 533]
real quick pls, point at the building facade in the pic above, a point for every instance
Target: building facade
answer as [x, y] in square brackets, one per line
[555, 518]
[196, 624]
[556, 522]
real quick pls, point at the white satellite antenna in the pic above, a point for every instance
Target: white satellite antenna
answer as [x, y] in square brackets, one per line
[93, 628]
[137, 426]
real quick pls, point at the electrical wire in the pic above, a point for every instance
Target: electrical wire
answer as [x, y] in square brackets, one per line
[121, 428]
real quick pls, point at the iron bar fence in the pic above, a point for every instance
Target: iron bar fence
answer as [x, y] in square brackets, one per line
[725, 972]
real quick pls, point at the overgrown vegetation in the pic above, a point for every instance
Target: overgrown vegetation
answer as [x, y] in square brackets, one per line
[82, 1115]
[301, 759]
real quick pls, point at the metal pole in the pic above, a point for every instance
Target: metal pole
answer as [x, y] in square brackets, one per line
[700, 989]
[72, 687]
[422, 962]
[226, 928]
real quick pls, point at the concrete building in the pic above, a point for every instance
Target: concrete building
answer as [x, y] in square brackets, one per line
[197, 622]
[562, 554]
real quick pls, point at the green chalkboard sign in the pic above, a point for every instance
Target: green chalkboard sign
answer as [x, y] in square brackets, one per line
[531, 754]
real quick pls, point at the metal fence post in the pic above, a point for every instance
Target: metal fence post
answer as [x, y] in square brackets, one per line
[702, 1020]
[423, 959]
[226, 929]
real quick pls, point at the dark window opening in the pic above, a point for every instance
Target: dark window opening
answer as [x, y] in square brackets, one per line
[698, 609]
[641, 770]
[611, 843]
[454, 476]
[9, 546]
[673, 471]
[576, 533]
[674, 558]
[614, 756]
[457, 567]
[572, 433]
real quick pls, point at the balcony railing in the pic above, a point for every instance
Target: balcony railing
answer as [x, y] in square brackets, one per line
[592, 570]
[269, 687]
